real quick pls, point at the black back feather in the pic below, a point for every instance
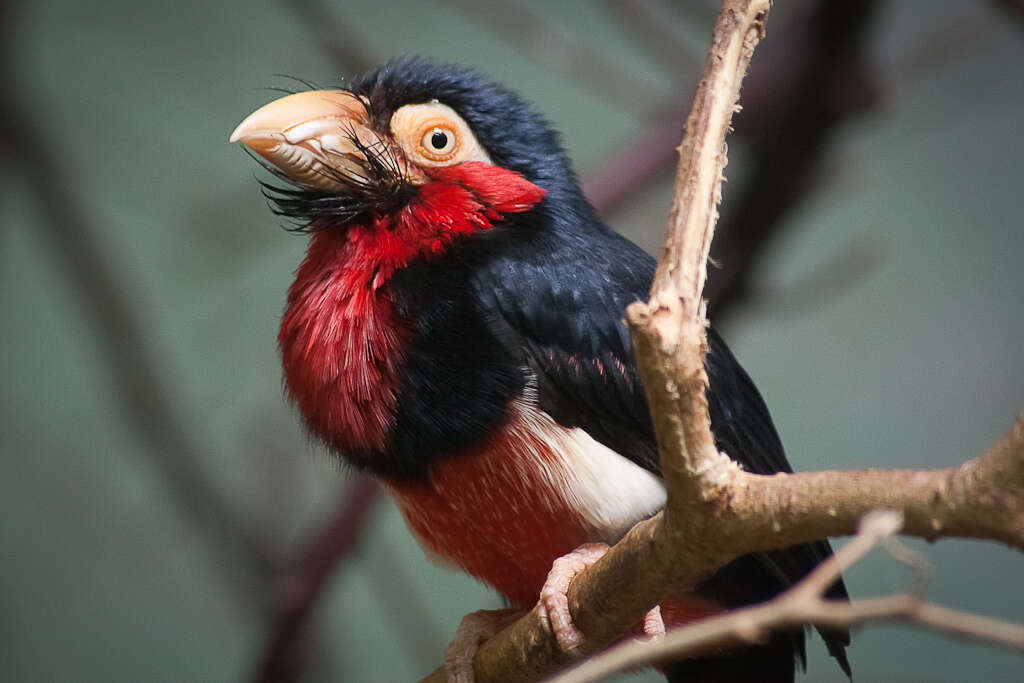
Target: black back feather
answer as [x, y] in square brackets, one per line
[564, 309]
[546, 290]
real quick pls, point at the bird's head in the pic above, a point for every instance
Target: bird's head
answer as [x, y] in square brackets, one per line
[428, 149]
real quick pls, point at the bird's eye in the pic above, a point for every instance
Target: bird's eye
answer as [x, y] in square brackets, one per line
[439, 140]
[432, 135]
[439, 143]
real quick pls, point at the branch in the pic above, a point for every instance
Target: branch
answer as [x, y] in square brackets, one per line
[604, 608]
[716, 512]
[804, 83]
[805, 604]
[983, 499]
[822, 80]
[302, 586]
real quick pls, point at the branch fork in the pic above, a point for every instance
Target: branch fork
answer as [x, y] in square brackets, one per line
[716, 511]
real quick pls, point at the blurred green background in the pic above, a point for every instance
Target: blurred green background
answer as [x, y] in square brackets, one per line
[155, 485]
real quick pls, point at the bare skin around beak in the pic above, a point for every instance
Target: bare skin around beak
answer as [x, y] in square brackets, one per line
[318, 138]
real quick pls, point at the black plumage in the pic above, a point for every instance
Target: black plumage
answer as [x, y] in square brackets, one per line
[565, 311]
[536, 304]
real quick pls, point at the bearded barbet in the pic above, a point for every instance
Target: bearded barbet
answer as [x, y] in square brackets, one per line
[456, 330]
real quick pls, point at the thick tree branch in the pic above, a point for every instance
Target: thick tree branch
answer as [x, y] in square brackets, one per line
[983, 498]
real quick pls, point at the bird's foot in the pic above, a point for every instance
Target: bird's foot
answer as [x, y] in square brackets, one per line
[654, 625]
[475, 628]
[553, 605]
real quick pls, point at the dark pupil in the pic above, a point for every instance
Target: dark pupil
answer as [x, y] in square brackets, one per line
[439, 140]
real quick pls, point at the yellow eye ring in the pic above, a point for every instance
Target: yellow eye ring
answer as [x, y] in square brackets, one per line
[438, 141]
[433, 134]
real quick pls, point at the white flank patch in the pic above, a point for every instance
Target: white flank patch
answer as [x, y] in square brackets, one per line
[614, 493]
[610, 492]
[606, 492]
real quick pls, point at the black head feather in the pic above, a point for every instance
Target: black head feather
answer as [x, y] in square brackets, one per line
[513, 133]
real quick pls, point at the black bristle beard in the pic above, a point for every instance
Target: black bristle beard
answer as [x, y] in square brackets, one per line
[380, 189]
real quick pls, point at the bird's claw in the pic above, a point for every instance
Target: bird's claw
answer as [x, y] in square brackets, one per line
[654, 625]
[553, 606]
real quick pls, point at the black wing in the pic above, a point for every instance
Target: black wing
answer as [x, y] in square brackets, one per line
[563, 305]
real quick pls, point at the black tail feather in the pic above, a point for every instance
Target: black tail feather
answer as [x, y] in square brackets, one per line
[773, 662]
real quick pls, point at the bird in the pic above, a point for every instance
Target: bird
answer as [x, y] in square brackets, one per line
[456, 329]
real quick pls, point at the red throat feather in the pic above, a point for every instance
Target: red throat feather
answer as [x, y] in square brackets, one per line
[341, 341]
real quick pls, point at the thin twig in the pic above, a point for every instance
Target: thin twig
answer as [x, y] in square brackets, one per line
[789, 104]
[805, 604]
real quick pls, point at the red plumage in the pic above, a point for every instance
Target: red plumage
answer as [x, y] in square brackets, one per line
[341, 343]
[490, 386]
[342, 346]
[497, 510]
[506, 508]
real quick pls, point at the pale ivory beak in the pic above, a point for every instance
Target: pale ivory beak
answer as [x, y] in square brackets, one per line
[309, 136]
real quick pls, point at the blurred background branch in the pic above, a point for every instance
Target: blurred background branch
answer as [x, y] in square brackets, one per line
[131, 228]
[303, 584]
